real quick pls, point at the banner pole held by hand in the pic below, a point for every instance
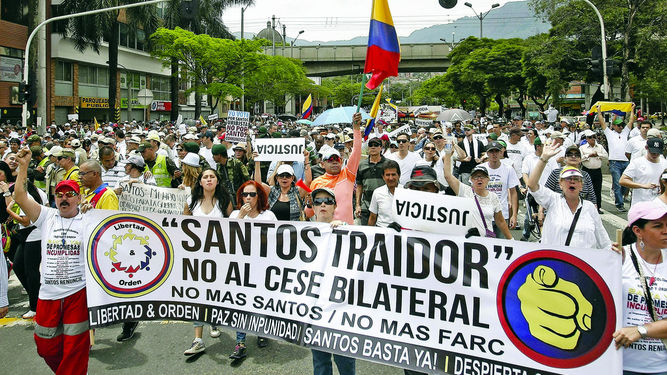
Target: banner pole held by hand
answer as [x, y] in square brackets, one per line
[361, 92]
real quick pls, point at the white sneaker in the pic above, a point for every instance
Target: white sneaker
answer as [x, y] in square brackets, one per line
[196, 347]
[215, 332]
[29, 315]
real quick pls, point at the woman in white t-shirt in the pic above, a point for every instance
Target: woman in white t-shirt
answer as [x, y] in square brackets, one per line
[210, 199]
[644, 270]
[488, 202]
[253, 204]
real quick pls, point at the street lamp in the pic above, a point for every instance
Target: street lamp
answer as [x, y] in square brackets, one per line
[294, 41]
[481, 15]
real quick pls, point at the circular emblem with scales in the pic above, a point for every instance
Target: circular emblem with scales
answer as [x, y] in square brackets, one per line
[129, 255]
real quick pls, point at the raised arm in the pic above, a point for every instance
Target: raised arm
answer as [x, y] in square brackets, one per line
[27, 204]
[453, 182]
[534, 179]
[603, 124]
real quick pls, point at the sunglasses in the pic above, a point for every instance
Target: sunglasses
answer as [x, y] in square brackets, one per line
[438, 137]
[284, 175]
[374, 144]
[573, 155]
[249, 194]
[327, 201]
[429, 148]
[68, 194]
[402, 141]
[333, 158]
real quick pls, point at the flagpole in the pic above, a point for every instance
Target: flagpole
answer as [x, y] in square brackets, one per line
[361, 92]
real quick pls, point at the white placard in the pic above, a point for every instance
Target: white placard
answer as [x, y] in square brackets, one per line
[279, 149]
[213, 117]
[481, 138]
[419, 110]
[423, 122]
[403, 129]
[236, 129]
[436, 213]
[148, 198]
[73, 116]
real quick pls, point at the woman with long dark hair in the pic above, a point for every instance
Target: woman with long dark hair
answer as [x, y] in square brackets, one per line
[253, 203]
[209, 198]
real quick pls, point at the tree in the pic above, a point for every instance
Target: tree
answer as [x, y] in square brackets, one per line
[208, 20]
[503, 64]
[210, 63]
[89, 31]
[626, 22]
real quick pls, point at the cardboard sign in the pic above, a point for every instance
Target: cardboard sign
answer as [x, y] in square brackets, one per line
[73, 117]
[148, 198]
[423, 122]
[436, 213]
[213, 117]
[403, 129]
[279, 149]
[236, 129]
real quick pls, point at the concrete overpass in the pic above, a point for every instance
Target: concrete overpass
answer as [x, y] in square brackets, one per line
[328, 61]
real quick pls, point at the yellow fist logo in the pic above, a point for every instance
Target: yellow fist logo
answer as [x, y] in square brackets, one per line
[555, 309]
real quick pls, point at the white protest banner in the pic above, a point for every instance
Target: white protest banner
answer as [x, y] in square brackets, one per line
[148, 198]
[403, 129]
[279, 149]
[236, 128]
[215, 117]
[436, 213]
[72, 117]
[419, 110]
[179, 119]
[423, 122]
[423, 301]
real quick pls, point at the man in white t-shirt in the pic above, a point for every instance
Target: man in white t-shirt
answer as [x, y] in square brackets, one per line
[643, 174]
[61, 323]
[502, 182]
[516, 150]
[616, 142]
[405, 158]
[383, 197]
[636, 146]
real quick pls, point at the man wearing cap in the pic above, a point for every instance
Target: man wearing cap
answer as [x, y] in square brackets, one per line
[163, 169]
[232, 171]
[369, 178]
[37, 168]
[154, 138]
[61, 323]
[502, 181]
[617, 139]
[330, 139]
[592, 154]
[643, 173]
[342, 180]
[81, 154]
[324, 207]
[66, 162]
[241, 152]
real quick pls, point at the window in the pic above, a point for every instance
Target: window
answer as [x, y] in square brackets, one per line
[160, 88]
[122, 41]
[92, 75]
[63, 71]
[15, 11]
[141, 39]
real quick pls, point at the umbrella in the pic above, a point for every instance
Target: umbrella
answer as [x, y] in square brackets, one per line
[452, 115]
[304, 122]
[340, 115]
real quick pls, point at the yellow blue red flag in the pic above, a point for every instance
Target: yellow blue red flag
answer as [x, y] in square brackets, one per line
[617, 108]
[307, 108]
[374, 113]
[383, 52]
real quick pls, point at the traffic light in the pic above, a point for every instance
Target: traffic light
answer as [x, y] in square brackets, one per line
[189, 10]
[613, 68]
[596, 67]
[25, 93]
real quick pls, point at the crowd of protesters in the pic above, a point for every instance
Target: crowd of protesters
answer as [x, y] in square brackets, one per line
[50, 180]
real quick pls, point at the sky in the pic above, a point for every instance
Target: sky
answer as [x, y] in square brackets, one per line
[326, 20]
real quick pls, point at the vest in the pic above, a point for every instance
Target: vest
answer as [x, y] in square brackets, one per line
[160, 172]
[42, 184]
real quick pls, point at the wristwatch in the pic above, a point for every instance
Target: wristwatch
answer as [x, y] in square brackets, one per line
[7, 194]
[642, 331]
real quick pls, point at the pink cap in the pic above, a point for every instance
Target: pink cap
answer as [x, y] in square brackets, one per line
[645, 210]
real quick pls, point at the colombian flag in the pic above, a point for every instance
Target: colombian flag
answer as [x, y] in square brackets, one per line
[307, 108]
[617, 108]
[383, 53]
[97, 124]
[374, 112]
[391, 104]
